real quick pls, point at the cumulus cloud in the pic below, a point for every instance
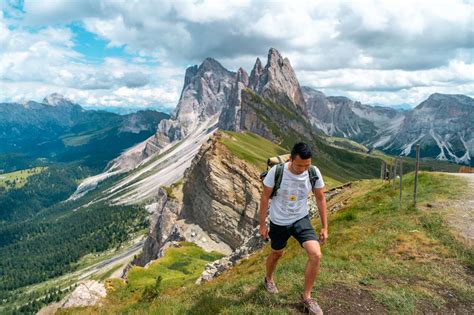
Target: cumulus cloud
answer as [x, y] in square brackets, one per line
[391, 51]
[34, 64]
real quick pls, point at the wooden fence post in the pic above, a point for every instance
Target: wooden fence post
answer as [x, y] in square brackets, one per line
[381, 170]
[395, 173]
[392, 175]
[401, 186]
[416, 172]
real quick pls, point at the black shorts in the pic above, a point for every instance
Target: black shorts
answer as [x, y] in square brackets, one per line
[302, 230]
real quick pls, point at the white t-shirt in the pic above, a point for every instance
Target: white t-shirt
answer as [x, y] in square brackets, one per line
[291, 200]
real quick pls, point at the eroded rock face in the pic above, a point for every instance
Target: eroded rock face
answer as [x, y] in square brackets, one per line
[277, 81]
[230, 117]
[216, 209]
[205, 92]
[221, 193]
[272, 99]
[164, 213]
[442, 125]
[88, 293]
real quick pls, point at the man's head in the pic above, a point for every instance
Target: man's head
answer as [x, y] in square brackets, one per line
[300, 158]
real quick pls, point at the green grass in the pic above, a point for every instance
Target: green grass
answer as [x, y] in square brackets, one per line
[347, 144]
[20, 178]
[256, 150]
[404, 261]
[252, 148]
[85, 137]
[172, 189]
[180, 266]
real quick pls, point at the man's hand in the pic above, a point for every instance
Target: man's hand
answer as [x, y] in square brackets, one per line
[264, 231]
[323, 235]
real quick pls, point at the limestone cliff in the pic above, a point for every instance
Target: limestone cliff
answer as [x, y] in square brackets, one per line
[164, 213]
[221, 193]
[215, 208]
[230, 117]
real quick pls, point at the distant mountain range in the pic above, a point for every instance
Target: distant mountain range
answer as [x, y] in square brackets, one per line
[442, 125]
[57, 130]
[125, 110]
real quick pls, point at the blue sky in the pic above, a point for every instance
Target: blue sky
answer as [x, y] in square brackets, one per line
[126, 53]
[93, 47]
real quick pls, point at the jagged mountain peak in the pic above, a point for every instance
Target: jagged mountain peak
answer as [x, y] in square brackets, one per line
[312, 91]
[339, 99]
[208, 65]
[436, 100]
[56, 99]
[190, 73]
[211, 64]
[242, 76]
[274, 56]
[258, 64]
[205, 92]
[277, 81]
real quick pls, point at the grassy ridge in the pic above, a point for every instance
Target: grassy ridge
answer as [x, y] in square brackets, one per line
[379, 258]
[252, 148]
[256, 150]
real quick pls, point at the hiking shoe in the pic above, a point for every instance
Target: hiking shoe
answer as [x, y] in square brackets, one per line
[270, 286]
[311, 306]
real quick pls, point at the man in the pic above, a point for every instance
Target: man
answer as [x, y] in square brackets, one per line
[289, 217]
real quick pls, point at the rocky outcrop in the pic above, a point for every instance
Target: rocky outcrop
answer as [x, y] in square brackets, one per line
[87, 293]
[212, 270]
[270, 120]
[164, 213]
[205, 92]
[221, 193]
[216, 208]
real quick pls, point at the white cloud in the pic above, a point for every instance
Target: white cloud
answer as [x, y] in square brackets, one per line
[391, 51]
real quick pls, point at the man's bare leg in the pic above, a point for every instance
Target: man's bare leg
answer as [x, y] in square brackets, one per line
[272, 260]
[312, 266]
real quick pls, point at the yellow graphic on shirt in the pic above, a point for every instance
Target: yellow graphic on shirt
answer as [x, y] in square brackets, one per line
[292, 198]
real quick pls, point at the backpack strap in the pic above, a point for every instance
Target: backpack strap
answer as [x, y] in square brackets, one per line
[278, 178]
[313, 176]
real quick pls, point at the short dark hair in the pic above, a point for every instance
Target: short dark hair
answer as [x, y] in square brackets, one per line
[301, 149]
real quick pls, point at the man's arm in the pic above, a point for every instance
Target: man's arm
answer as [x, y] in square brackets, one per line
[267, 191]
[322, 208]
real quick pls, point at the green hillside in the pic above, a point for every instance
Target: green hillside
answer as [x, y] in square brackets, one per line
[256, 150]
[379, 259]
[18, 179]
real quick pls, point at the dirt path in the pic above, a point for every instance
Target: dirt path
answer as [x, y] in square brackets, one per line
[462, 215]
